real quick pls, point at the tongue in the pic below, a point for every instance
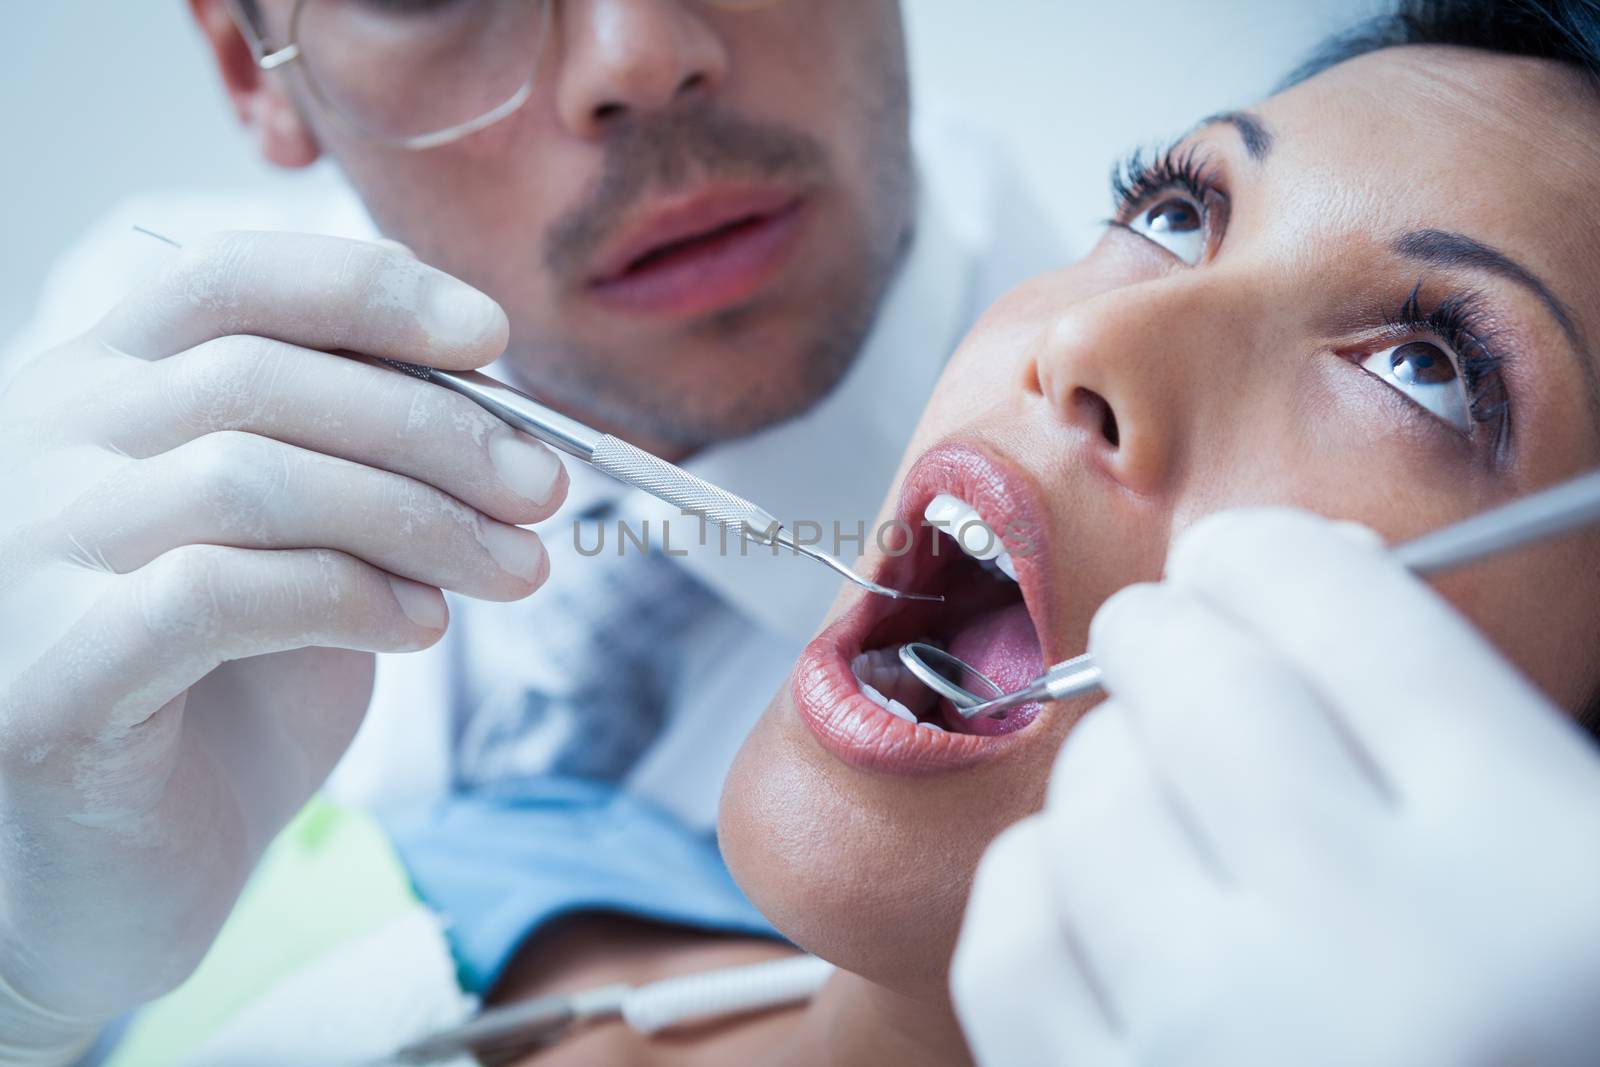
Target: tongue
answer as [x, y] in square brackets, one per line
[1004, 646]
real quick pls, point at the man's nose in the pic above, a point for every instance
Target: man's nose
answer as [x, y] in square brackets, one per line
[1130, 373]
[620, 58]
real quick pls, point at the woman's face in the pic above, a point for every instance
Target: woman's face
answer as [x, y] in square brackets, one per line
[1367, 297]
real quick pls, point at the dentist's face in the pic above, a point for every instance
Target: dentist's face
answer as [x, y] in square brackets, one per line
[691, 221]
[1369, 297]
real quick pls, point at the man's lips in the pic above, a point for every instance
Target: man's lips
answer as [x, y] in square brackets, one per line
[826, 689]
[695, 255]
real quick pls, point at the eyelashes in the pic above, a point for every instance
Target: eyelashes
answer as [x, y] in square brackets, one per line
[1140, 176]
[1171, 200]
[1459, 320]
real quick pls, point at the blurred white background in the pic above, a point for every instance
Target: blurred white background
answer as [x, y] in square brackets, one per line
[104, 98]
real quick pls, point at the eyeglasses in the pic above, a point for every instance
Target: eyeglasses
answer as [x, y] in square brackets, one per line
[416, 74]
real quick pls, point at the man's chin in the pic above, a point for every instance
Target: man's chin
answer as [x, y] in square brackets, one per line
[694, 393]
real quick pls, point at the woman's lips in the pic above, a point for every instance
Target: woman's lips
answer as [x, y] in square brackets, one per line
[826, 690]
[701, 255]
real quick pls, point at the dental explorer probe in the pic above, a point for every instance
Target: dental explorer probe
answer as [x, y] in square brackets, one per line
[504, 1031]
[630, 465]
[1559, 509]
[622, 461]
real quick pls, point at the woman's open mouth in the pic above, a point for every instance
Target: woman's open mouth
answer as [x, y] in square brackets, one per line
[975, 537]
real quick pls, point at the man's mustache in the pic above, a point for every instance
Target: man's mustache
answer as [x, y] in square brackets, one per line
[660, 154]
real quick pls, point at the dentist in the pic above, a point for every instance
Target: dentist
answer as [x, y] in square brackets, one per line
[698, 224]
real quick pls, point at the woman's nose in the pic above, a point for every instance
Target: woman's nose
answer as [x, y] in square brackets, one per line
[622, 58]
[1126, 372]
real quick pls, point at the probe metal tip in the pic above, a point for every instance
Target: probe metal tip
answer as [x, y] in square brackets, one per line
[163, 238]
[895, 594]
[786, 540]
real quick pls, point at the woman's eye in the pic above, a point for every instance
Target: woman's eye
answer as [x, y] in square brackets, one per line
[1177, 224]
[1426, 372]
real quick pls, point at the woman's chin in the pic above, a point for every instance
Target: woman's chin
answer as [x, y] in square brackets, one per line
[854, 867]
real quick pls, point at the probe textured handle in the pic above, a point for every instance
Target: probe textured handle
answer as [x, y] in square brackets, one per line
[1566, 506]
[699, 996]
[677, 486]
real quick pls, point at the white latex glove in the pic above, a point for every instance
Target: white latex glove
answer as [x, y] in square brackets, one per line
[1320, 821]
[207, 526]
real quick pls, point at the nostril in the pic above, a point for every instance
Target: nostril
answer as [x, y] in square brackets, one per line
[1092, 410]
[608, 113]
[1108, 427]
[693, 83]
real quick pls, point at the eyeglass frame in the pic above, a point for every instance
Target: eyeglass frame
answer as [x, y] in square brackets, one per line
[268, 58]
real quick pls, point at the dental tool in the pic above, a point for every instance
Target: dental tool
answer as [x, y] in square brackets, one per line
[632, 466]
[622, 461]
[1559, 509]
[647, 1009]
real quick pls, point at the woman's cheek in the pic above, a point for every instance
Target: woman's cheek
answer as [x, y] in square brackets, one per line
[979, 378]
[1355, 423]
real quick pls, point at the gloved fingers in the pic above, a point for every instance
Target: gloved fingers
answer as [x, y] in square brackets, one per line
[1125, 871]
[321, 292]
[1409, 679]
[161, 629]
[1247, 755]
[1020, 988]
[395, 246]
[247, 491]
[289, 719]
[332, 405]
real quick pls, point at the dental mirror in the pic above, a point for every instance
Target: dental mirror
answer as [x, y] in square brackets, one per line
[942, 672]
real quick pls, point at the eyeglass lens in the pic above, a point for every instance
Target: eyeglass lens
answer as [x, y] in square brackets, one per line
[408, 68]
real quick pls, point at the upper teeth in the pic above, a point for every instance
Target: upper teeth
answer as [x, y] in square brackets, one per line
[977, 538]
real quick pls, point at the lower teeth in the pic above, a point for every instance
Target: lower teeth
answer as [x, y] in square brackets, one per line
[885, 682]
[873, 695]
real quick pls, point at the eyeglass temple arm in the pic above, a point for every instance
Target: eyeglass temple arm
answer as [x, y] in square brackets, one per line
[266, 57]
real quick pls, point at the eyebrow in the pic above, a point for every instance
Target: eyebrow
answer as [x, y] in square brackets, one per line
[1442, 248]
[1252, 131]
[1447, 250]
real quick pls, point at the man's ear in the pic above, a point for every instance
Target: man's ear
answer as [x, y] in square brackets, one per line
[261, 102]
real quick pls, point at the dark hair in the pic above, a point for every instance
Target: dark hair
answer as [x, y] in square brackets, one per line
[1566, 31]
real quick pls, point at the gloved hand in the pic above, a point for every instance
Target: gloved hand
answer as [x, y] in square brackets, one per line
[208, 526]
[1320, 821]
